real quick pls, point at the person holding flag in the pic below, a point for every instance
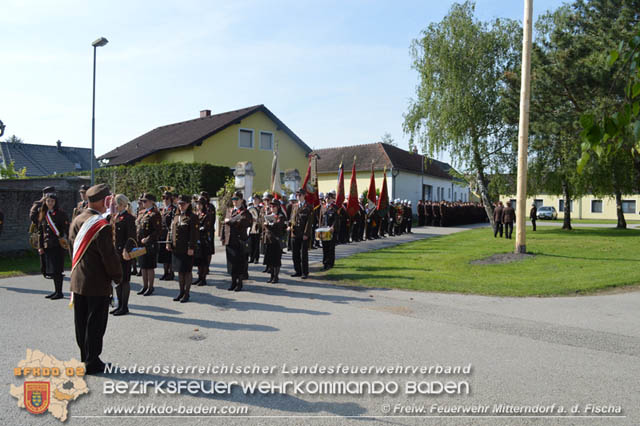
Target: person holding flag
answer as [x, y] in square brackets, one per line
[94, 265]
[383, 204]
[372, 220]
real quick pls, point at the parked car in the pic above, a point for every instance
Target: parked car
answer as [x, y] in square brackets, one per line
[547, 212]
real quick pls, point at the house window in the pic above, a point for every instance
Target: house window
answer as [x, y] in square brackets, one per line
[246, 138]
[538, 202]
[449, 193]
[266, 141]
[455, 196]
[514, 203]
[629, 206]
[561, 206]
[596, 206]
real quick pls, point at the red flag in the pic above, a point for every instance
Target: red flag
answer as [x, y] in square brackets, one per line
[353, 207]
[383, 200]
[371, 194]
[340, 192]
[309, 186]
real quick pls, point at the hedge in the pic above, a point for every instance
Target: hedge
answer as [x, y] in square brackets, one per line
[187, 178]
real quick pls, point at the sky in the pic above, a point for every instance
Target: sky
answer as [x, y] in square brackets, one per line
[336, 72]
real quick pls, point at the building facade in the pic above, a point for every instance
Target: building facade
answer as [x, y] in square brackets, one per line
[249, 134]
[410, 176]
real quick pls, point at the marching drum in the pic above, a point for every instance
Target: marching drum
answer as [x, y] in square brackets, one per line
[324, 234]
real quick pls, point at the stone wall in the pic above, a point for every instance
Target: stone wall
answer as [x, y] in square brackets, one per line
[16, 198]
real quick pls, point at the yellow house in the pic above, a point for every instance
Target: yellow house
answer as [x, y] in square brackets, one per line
[248, 134]
[587, 207]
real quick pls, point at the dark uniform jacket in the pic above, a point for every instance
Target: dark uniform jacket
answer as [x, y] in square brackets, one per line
[47, 236]
[205, 226]
[234, 232]
[301, 221]
[274, 233]
[100, 264]
[124, 232]
[508, 215]
[533, 214]
[331, 218]
[497, 214]
[167, 213]
[149, 224]
[184, 232]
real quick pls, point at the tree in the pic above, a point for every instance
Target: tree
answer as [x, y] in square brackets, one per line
[461, 64]
[13, 139]
[388, 139]
[9, 172]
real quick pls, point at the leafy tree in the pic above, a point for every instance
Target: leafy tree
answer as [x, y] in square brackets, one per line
[9, 172]
[388, 139]
[13, 139]
[458, 106]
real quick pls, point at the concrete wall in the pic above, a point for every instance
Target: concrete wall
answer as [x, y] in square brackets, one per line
[16, 198]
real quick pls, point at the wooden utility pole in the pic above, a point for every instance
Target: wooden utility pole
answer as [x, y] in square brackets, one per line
[523, 130]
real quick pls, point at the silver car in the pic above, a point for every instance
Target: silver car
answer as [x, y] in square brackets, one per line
[547, 212]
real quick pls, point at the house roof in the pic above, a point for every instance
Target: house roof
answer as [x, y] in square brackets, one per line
[45, 160]
[188, 133]
[382, 155]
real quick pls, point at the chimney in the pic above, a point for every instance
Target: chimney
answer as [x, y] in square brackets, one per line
[59, 143]
[205, 113]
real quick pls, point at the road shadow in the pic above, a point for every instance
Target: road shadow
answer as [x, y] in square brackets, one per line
[207, 323]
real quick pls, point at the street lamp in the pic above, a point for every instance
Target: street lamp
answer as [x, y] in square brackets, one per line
[98, 43]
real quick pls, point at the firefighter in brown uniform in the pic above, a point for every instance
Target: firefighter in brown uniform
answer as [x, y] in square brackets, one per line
[497, 218]
[124, 238]
[533, 215]
[184, 238]
[301, 227]
[508, 218]
[34, 228]
[331, 219]
[212, 231]
[234, 236]
[167, 213]
[82, 204]
[204, 246]
[53, 225]
[97, 265]
[148, 227]
[274, 230]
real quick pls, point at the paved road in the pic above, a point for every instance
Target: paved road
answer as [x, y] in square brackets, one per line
[523, 351]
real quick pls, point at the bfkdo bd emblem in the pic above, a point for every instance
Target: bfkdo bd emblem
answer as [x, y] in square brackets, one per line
[36, 397]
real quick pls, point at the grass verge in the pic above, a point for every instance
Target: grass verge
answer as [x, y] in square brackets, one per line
[566, 262]
[23, 263]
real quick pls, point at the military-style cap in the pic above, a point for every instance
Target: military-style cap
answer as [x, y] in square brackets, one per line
[51, 195]
[98, 192]
[237, 194]
[167, 194]
[292, 197]
[83, 188]
[204, 194]
[148, 197]
[48, 189]
[331, 195]
[184, 199]
[275, 202]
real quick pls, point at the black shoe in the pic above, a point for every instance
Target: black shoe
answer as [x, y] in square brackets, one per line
[97, 368]
[179, 296]
[113, 311]
[238, 286]
[164, 277]
[270, 280]
[185, 299]
[275, 280]
[143, 291]
[57, 296]
[149, 292]
[171, 277]
[49, 296]
[233, 285]
[196, 282]
[266, 270]
[296, 275]
[203, 282]
[305, 276]
[120, 312]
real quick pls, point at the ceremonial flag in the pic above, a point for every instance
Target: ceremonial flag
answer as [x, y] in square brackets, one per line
[340, 191]
[352, 202]
[276, 185]
[371, 194]
[310, 183]
[383, 200]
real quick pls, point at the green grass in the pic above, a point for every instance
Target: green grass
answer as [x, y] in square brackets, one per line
[566, 262]
[594, 221]
[23, 263]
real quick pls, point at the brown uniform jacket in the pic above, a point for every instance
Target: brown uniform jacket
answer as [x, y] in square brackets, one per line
[100, 264]
[274, 233]
[184, 232]
[508, 215]
[301, 221]
[80, 207]
[497, 214]
[124, 231]
[47, 236]
[234, 232]
[167, 213]
[149, 224]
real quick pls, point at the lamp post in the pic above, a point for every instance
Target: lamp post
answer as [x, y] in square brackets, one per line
[98, 43]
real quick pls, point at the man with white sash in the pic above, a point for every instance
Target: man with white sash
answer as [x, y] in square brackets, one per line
[94, 265]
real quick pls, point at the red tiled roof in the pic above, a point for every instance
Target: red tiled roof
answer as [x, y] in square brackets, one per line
[381, 154]
[187, 133]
